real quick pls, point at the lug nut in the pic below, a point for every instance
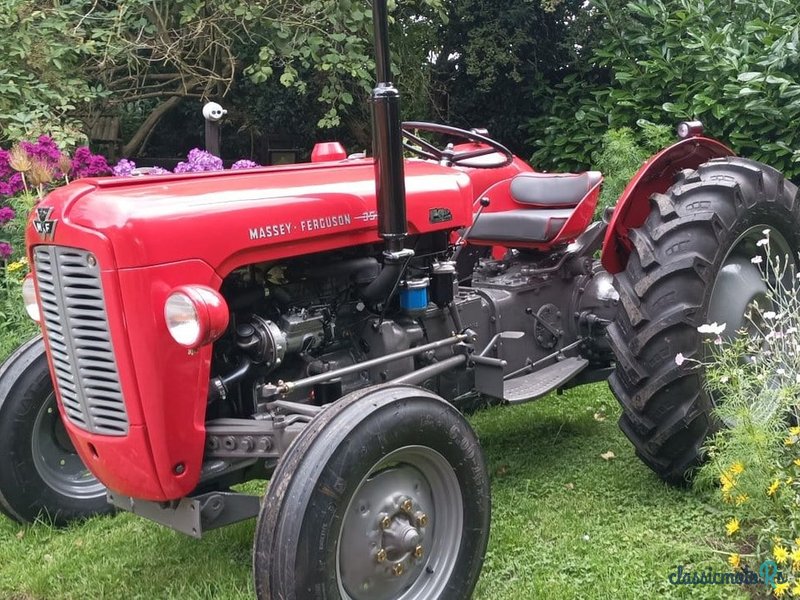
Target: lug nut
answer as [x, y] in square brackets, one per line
[422, 519]
[385, 522]
[397, 569]
[419, 551]
[381, 555]
[407, 505]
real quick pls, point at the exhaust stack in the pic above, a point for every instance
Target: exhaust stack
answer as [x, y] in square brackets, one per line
[387, 144]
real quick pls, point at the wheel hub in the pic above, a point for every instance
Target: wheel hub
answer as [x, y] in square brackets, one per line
[391, 544]
[55, 458]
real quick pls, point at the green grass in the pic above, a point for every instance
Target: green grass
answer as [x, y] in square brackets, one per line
[566, 524]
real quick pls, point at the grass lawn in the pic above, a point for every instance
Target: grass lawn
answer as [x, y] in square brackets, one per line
[566, 524]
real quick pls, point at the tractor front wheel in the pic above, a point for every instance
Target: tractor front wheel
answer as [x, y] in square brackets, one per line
[383, 496]
[41, 475]
[691, 264]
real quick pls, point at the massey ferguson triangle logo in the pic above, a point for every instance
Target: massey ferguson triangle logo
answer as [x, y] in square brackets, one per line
[43, 225]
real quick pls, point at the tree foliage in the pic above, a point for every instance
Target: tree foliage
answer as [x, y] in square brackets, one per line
[734, 64]
[547, 77]
[41, 84]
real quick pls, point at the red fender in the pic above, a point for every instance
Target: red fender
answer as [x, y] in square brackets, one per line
[655, 176]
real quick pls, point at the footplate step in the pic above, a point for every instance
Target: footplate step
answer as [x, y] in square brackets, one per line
[542, 382]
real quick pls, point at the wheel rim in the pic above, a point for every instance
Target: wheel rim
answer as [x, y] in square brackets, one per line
[738, 286]
[402, 529]
[739, 282]
[55, 458]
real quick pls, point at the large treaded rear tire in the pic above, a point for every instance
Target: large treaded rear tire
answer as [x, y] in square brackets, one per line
[665, 291]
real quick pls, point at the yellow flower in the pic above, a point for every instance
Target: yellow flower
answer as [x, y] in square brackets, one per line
[737, 468]
[735, 561]
[15, 266]
[741, 499]
[727, 482]
[797, 462]
[796, 590]
[794, 431]
[781, 554]
[790, 441]
[795, 557]
[774, 487]
[732, 526]
[781, 589]
[789, 481]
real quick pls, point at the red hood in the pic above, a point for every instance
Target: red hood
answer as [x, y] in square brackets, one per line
[237, 217]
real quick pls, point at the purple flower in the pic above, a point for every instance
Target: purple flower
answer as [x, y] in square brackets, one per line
[44, 149]
[124, 168]
[199, 161]
[86, 164]
[244, 164]
[12, 185]
[6, 214]
[5, 168]
[5, 250]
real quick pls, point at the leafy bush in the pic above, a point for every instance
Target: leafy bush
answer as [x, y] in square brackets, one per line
[722, 61]
[756, 460]
[15, 325]
[622, 155]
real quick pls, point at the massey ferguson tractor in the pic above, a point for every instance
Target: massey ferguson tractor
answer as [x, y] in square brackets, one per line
[323, 326]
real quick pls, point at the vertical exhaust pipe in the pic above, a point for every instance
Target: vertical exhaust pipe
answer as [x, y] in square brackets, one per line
[387, 144]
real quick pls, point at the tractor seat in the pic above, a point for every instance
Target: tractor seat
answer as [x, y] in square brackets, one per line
[553, 190]
[551, 199]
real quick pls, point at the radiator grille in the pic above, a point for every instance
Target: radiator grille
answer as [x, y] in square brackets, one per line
[74, 317]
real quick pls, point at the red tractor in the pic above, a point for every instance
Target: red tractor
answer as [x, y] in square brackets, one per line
[320, 325]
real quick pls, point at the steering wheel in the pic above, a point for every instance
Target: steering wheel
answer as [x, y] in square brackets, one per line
[448, 156]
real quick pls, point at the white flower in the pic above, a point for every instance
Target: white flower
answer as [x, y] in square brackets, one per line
[724, 379]
[791, 330]
[713, 328]
[718, 341]
[756, 260]
[764, 242]
[797, 378]
[781, 372]
[679, 359]
[770, 314]
[766, 232]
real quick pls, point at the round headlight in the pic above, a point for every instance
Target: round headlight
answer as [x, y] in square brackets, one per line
[29, 298]
[688, 129]
[195, 315]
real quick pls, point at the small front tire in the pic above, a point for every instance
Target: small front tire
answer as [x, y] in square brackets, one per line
[41, 475]
[384, 496]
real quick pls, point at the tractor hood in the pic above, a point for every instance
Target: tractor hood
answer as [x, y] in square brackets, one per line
[232, 218]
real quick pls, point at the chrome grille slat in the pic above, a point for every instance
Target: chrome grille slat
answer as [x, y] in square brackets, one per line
[76, 325]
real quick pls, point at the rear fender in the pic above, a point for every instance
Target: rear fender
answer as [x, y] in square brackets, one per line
[655, 176]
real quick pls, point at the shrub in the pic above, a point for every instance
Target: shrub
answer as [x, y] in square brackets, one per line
[755, 461]
[622, 153]
[721, 61]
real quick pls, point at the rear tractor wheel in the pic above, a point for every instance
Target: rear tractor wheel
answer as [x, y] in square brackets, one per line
[384, 496]
[691, 264]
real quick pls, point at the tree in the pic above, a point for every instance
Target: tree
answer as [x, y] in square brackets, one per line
[731, 63]
[41, 82]
[151, 56]
[496, 61]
